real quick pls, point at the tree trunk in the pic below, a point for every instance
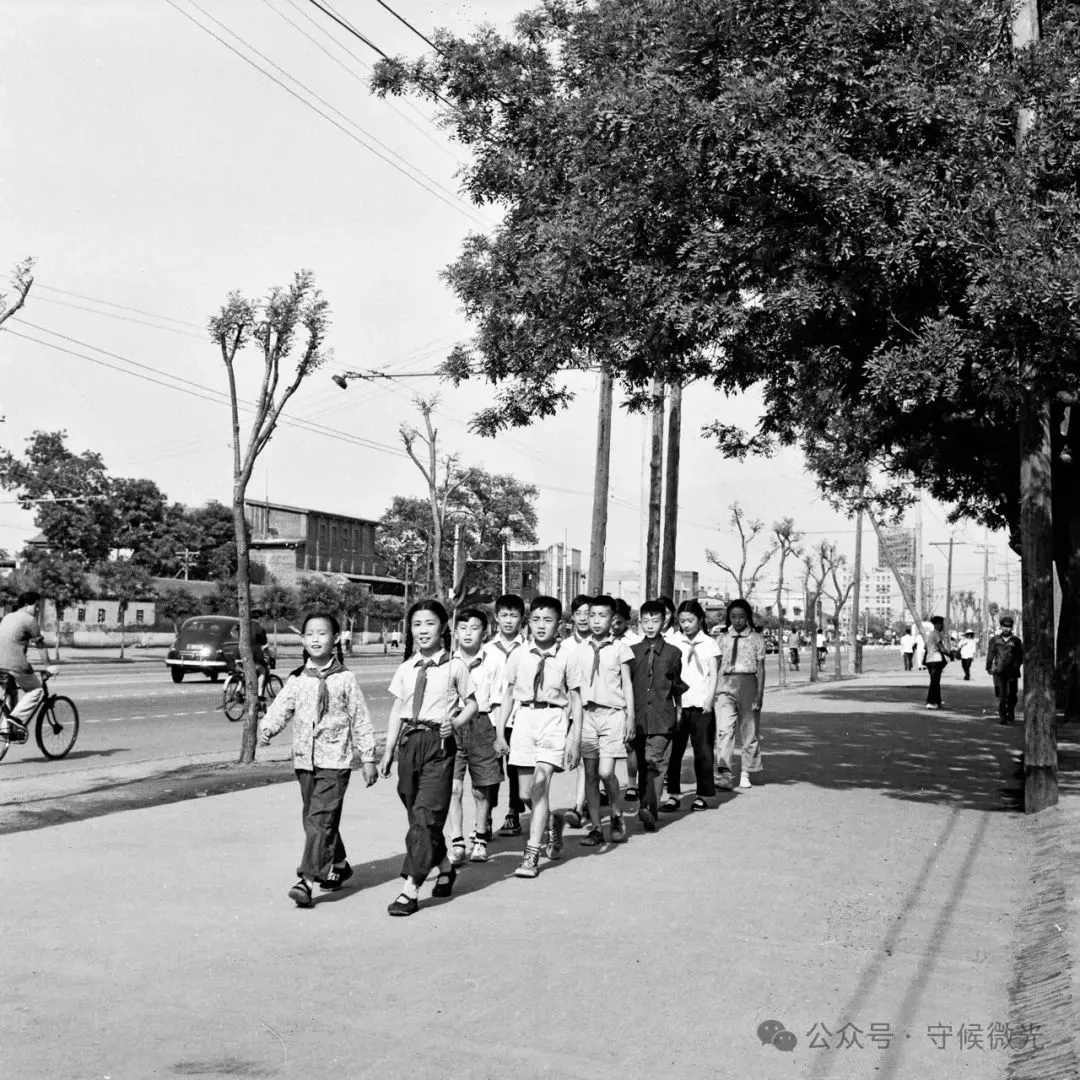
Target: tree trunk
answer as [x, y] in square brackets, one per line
[601, 488]
[1037, 567]
[656, 480]
[121, 631]
[671, 490]
[781, 653]
[856, 598]
[837, 660]
[812, 623]
[249, 736]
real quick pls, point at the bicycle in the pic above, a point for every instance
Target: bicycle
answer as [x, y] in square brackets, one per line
[234, 694]
[55, 721]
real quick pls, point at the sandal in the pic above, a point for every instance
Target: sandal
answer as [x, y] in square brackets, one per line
[337, 877]
[404, 905]
[699, 804]
[670, 805]
[444, 883]
[631, 794]
[300, 894]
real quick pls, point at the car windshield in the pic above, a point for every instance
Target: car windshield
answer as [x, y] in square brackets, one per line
[205, 626]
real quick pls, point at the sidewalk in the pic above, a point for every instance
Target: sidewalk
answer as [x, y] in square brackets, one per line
[871, 897]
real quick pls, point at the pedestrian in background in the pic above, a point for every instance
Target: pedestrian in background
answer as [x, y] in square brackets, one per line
[935, 661]
[740, 692]
[907, 649]
[1004, 659]
[332, 735]
[968, 648]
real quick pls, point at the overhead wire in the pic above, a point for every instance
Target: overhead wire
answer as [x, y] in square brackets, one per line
[461, 209]
[440, 144]
[110, 303]
[405, 22]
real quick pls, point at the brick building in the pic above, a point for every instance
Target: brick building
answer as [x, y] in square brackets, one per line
[292, 543]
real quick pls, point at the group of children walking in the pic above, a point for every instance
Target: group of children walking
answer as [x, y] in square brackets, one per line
[538, 698]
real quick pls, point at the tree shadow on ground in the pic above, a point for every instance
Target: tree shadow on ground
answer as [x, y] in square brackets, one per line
[883, 737]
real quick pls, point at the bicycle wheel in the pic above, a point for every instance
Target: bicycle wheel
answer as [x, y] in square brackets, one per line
[274, 687]
[233, 698]
[5, 743]
[57, 727]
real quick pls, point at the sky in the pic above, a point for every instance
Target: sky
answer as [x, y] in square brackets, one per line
[151, 170]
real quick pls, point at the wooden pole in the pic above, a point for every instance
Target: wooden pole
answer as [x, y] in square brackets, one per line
[985, 635]
[856, 592]
[601, 487]
[671, 489]
[656, 478]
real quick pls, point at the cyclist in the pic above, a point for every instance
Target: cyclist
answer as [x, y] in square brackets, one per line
[18, 630]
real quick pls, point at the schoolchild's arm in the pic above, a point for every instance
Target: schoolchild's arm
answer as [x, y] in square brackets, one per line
[573, 739]
[363, 733]
[711, 670]
[393, 731]
[759, 700]
[279, 713]
[628, 697]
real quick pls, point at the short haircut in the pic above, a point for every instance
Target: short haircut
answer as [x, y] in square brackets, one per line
[603, 601]
[622, 608]
[466, 613]
[546, 603]
[694, 608]
[935, 619]
[652, 607]
[510, 602]
[32, 596]
[581, 600]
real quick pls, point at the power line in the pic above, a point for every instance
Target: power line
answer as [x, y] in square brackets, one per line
[440, 144]
[401, 19]
[125, 318]
[344, 130]
[110, 303]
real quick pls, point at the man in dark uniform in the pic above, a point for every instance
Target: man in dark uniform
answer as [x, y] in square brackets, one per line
[1004, 658]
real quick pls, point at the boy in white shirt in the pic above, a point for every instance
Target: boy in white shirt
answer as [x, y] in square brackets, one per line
[480, 744]
[608, 726]
[509, 616]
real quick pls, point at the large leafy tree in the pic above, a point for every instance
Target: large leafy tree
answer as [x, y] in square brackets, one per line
[821, 199]
[492, 509]
[68, 492]
[63, 581]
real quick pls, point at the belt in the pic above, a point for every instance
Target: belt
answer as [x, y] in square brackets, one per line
[431, 725]
[539, 705]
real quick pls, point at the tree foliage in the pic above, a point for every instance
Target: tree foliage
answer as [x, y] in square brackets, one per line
[176, 604]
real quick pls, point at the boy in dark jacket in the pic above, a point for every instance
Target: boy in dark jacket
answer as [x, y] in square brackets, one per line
[656, 675]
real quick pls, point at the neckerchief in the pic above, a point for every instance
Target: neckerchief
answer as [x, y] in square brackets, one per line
[694, 643]
[538, 681]
[503, 649]
[596, 658]
[322, 702]
[421, 681]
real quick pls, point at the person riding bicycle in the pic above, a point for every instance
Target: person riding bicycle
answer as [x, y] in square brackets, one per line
[18, 630]
[260, 647]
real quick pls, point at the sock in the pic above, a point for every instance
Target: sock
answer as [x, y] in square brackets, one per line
[458, 841]
[411, 890]
[529, 849]
[484, 836]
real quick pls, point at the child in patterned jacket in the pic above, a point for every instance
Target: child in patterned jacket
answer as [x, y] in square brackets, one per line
[332, 734]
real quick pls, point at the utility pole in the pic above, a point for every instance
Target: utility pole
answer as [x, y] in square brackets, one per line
[985, 635]
[856, 590]
[504, 569]
[601, 486]
[671, 488]
[656, 478]
[187, 556]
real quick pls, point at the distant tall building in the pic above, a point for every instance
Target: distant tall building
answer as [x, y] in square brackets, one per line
[551, 571]
[899, 546]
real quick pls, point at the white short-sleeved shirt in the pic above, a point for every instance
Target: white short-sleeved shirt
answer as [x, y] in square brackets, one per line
[695, 656]
[750, 653]
[448, 684]
[486, 677]
[601, 667]
[561, 674]
[498, 653]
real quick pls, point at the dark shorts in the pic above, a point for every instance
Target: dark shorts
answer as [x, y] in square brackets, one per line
[476, 749]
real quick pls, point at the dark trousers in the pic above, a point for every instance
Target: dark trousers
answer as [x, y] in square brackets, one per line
[909, 661]
[323, 792]
[966, 665]
[425, 783]
[698, 728]
[933, 694]
[794, 654]
[652, 754]
[514, 805]
[1006, 691]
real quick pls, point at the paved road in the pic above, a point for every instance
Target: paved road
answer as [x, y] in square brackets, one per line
[135, 713]
[132, 714]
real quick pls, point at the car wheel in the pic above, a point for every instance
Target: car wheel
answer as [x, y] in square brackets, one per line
[214, 675]
[177, 674]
